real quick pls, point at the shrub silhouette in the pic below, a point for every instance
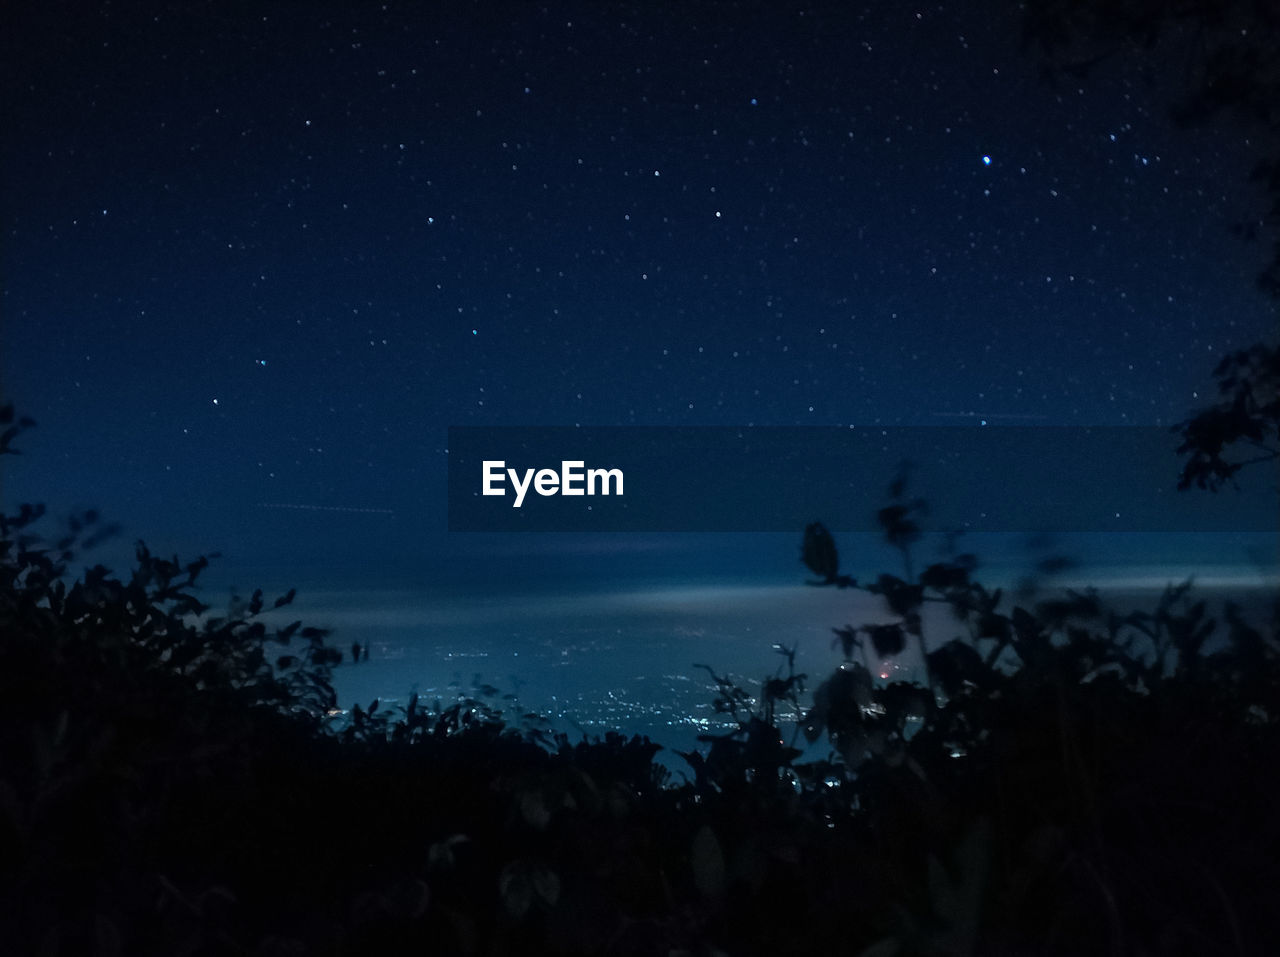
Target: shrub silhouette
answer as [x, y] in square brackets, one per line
[1061, 778]
[1054, 763]
[173, 781]
[1228, 54]
[1244, 422]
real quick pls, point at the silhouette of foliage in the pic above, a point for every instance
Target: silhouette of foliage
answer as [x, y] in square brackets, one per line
[818, 552]
[13, 427]
[1046, 764]
[1051, 775]
[1228, 54]
[1247, 415]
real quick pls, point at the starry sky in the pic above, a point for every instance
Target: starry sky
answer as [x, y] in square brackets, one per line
[258, 257]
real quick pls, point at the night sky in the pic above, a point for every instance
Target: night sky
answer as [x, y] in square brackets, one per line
[257, 257]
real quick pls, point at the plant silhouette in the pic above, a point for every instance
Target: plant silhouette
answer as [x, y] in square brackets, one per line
[1227, 58]
[1059, 777]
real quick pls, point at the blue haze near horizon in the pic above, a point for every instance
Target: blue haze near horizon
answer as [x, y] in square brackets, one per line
[614, 640]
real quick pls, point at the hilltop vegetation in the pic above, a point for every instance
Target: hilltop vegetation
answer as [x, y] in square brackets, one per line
[1065, 779]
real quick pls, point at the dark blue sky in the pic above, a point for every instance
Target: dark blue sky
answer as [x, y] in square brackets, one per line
[263, 254]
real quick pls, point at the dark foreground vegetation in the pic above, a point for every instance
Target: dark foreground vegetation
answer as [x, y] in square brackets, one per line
[1066, 779]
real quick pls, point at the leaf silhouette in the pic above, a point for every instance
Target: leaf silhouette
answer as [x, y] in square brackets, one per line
[888, 640]
[818, 552]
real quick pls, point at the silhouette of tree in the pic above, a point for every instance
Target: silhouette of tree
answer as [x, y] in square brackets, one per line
[1062, 778]
[1242, 428]
[1230, 56]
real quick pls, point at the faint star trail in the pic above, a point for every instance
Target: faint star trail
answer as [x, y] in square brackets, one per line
[326, 508]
